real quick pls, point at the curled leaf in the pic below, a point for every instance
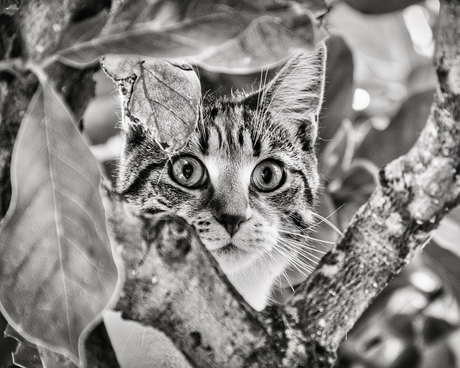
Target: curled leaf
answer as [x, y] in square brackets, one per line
[162, 96]
[57, 271]
[244, 36]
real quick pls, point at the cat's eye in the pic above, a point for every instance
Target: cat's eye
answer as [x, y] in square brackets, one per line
[268, 175]
[188, 171]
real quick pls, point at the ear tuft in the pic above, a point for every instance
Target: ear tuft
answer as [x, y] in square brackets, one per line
[296, 93]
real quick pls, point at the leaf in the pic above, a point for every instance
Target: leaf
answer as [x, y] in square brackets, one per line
[54, 360]
[26, 353]
[206, 27]
[380, 7]
[264, 43]
[161, 96]
[402, 132]
[29, 355]
[85, 30]
[385, 55]
[57, 271]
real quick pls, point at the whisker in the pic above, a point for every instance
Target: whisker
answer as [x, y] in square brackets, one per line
[294, 262]
[304, 252]
[163, 171]
[274, 261]
[304, 246]
[326, 221]
[309, 237]
[283, 272]
[309, 256]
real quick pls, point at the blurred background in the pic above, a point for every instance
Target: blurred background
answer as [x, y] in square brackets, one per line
[380, 85]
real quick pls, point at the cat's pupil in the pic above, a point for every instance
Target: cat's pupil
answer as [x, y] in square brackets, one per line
[267, 175]
[187, 170]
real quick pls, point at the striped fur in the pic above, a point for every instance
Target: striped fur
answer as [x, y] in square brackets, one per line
[279, 122]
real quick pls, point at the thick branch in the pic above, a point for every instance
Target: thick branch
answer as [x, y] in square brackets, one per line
[415, 193]
[175, 285]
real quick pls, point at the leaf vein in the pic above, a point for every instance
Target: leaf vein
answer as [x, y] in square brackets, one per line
[74, 169]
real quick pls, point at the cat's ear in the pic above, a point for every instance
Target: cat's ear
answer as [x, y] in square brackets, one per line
[295, 94]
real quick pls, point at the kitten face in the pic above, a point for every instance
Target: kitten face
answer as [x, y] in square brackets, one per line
[246, 179]
[235, 211]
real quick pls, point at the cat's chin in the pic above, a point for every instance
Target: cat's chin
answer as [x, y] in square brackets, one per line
[232, 258]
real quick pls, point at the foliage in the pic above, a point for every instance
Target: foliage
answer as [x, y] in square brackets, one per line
[59, 273]
[163, 96]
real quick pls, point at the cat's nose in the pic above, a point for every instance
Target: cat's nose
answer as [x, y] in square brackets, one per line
[231, 222]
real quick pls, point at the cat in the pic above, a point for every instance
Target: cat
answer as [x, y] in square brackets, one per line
[247, 179]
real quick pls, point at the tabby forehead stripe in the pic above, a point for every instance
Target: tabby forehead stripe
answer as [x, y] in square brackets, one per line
[241, 137]
[304, 137]
[142, 177]
[203, 139]
[233, 143]
[256, 145]
[307, 190]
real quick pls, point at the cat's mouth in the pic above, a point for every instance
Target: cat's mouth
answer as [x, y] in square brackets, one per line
[228, 249]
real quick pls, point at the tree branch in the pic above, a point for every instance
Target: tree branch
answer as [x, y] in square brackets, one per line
[415, 193]
[175, 285]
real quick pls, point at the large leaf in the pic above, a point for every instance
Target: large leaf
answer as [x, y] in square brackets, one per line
[57, 271]
[189, 28]
[84, 30]
[384, 55]
[161, 96]
[401, 133]
[263, 44]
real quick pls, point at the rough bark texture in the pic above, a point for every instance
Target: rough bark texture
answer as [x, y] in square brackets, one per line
[174, 285]
[415, 193]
